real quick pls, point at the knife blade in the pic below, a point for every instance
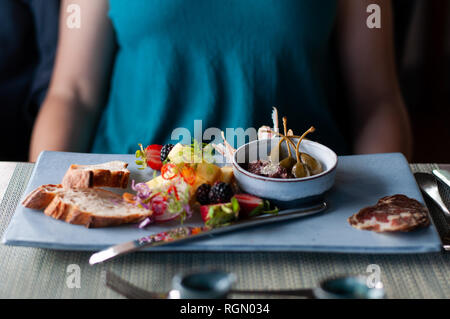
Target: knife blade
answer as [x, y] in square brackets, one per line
[185, 233]
[443, 176]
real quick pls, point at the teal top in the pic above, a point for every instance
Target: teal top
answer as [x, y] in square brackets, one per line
[225, 62]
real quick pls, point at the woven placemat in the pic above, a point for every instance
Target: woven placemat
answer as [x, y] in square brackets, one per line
[40, 273]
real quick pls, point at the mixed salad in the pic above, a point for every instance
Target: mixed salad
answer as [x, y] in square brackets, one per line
[189, 182]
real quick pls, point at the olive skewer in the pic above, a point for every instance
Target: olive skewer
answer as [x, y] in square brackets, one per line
[289, 161]
[307, 165]
[300, 169]
[275, 154]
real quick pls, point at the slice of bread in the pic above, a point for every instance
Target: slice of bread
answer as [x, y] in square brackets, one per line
[91, 207]
[41, 197]
[111, 174]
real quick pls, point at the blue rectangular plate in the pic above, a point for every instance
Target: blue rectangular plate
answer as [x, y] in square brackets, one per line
[360, 181]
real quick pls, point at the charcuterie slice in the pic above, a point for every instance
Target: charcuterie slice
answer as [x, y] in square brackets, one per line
[392, 214]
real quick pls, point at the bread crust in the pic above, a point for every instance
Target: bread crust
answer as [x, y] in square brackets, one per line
[40, 198]
[70, 213]
[54, 206]
[80, 178]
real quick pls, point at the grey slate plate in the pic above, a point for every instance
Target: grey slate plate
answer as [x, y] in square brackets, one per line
[360, 181]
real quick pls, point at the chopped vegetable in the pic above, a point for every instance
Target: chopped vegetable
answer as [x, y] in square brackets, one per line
[166, 204]
[192, 154]
[169, 171]
[253, 206]
[146, 222]
[220, 214]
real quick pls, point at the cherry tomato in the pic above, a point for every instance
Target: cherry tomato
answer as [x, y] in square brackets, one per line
[169, 171]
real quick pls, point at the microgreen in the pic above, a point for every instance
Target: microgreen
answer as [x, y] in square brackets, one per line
[141, 158]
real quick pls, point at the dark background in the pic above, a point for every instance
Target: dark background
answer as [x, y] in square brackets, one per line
[422, 36]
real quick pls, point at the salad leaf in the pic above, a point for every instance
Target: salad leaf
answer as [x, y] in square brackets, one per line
[222, 214]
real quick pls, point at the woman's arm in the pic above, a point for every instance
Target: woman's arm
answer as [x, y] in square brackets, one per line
[77, 92]
[368, 65]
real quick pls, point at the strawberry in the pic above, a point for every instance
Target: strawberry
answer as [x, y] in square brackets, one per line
[253, 206]
[153, 156]
[150, 157]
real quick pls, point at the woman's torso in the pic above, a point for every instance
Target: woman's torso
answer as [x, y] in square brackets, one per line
[225, 62]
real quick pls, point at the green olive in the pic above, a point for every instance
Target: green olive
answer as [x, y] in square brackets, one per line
[288, 163]
[314, 165]
[300, 170]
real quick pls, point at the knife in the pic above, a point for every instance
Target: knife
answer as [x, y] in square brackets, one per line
[428, 185]
[443, 176]
[185, 233]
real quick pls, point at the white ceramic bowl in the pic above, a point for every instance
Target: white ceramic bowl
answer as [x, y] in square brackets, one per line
[290, 189]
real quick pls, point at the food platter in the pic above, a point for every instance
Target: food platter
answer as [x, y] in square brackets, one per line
[360, 181]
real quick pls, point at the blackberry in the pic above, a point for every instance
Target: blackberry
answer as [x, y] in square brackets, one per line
[220, 193]
[165, 150]
[202, 194]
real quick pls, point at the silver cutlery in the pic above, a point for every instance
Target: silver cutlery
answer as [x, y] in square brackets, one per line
[428, 185]
[131, 291]
[185, 233]
[443, 176]
[340, 287]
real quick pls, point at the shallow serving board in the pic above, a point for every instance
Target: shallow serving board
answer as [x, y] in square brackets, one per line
[360, 181]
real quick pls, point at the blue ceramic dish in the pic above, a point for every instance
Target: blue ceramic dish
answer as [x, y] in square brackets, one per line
[289, 189]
